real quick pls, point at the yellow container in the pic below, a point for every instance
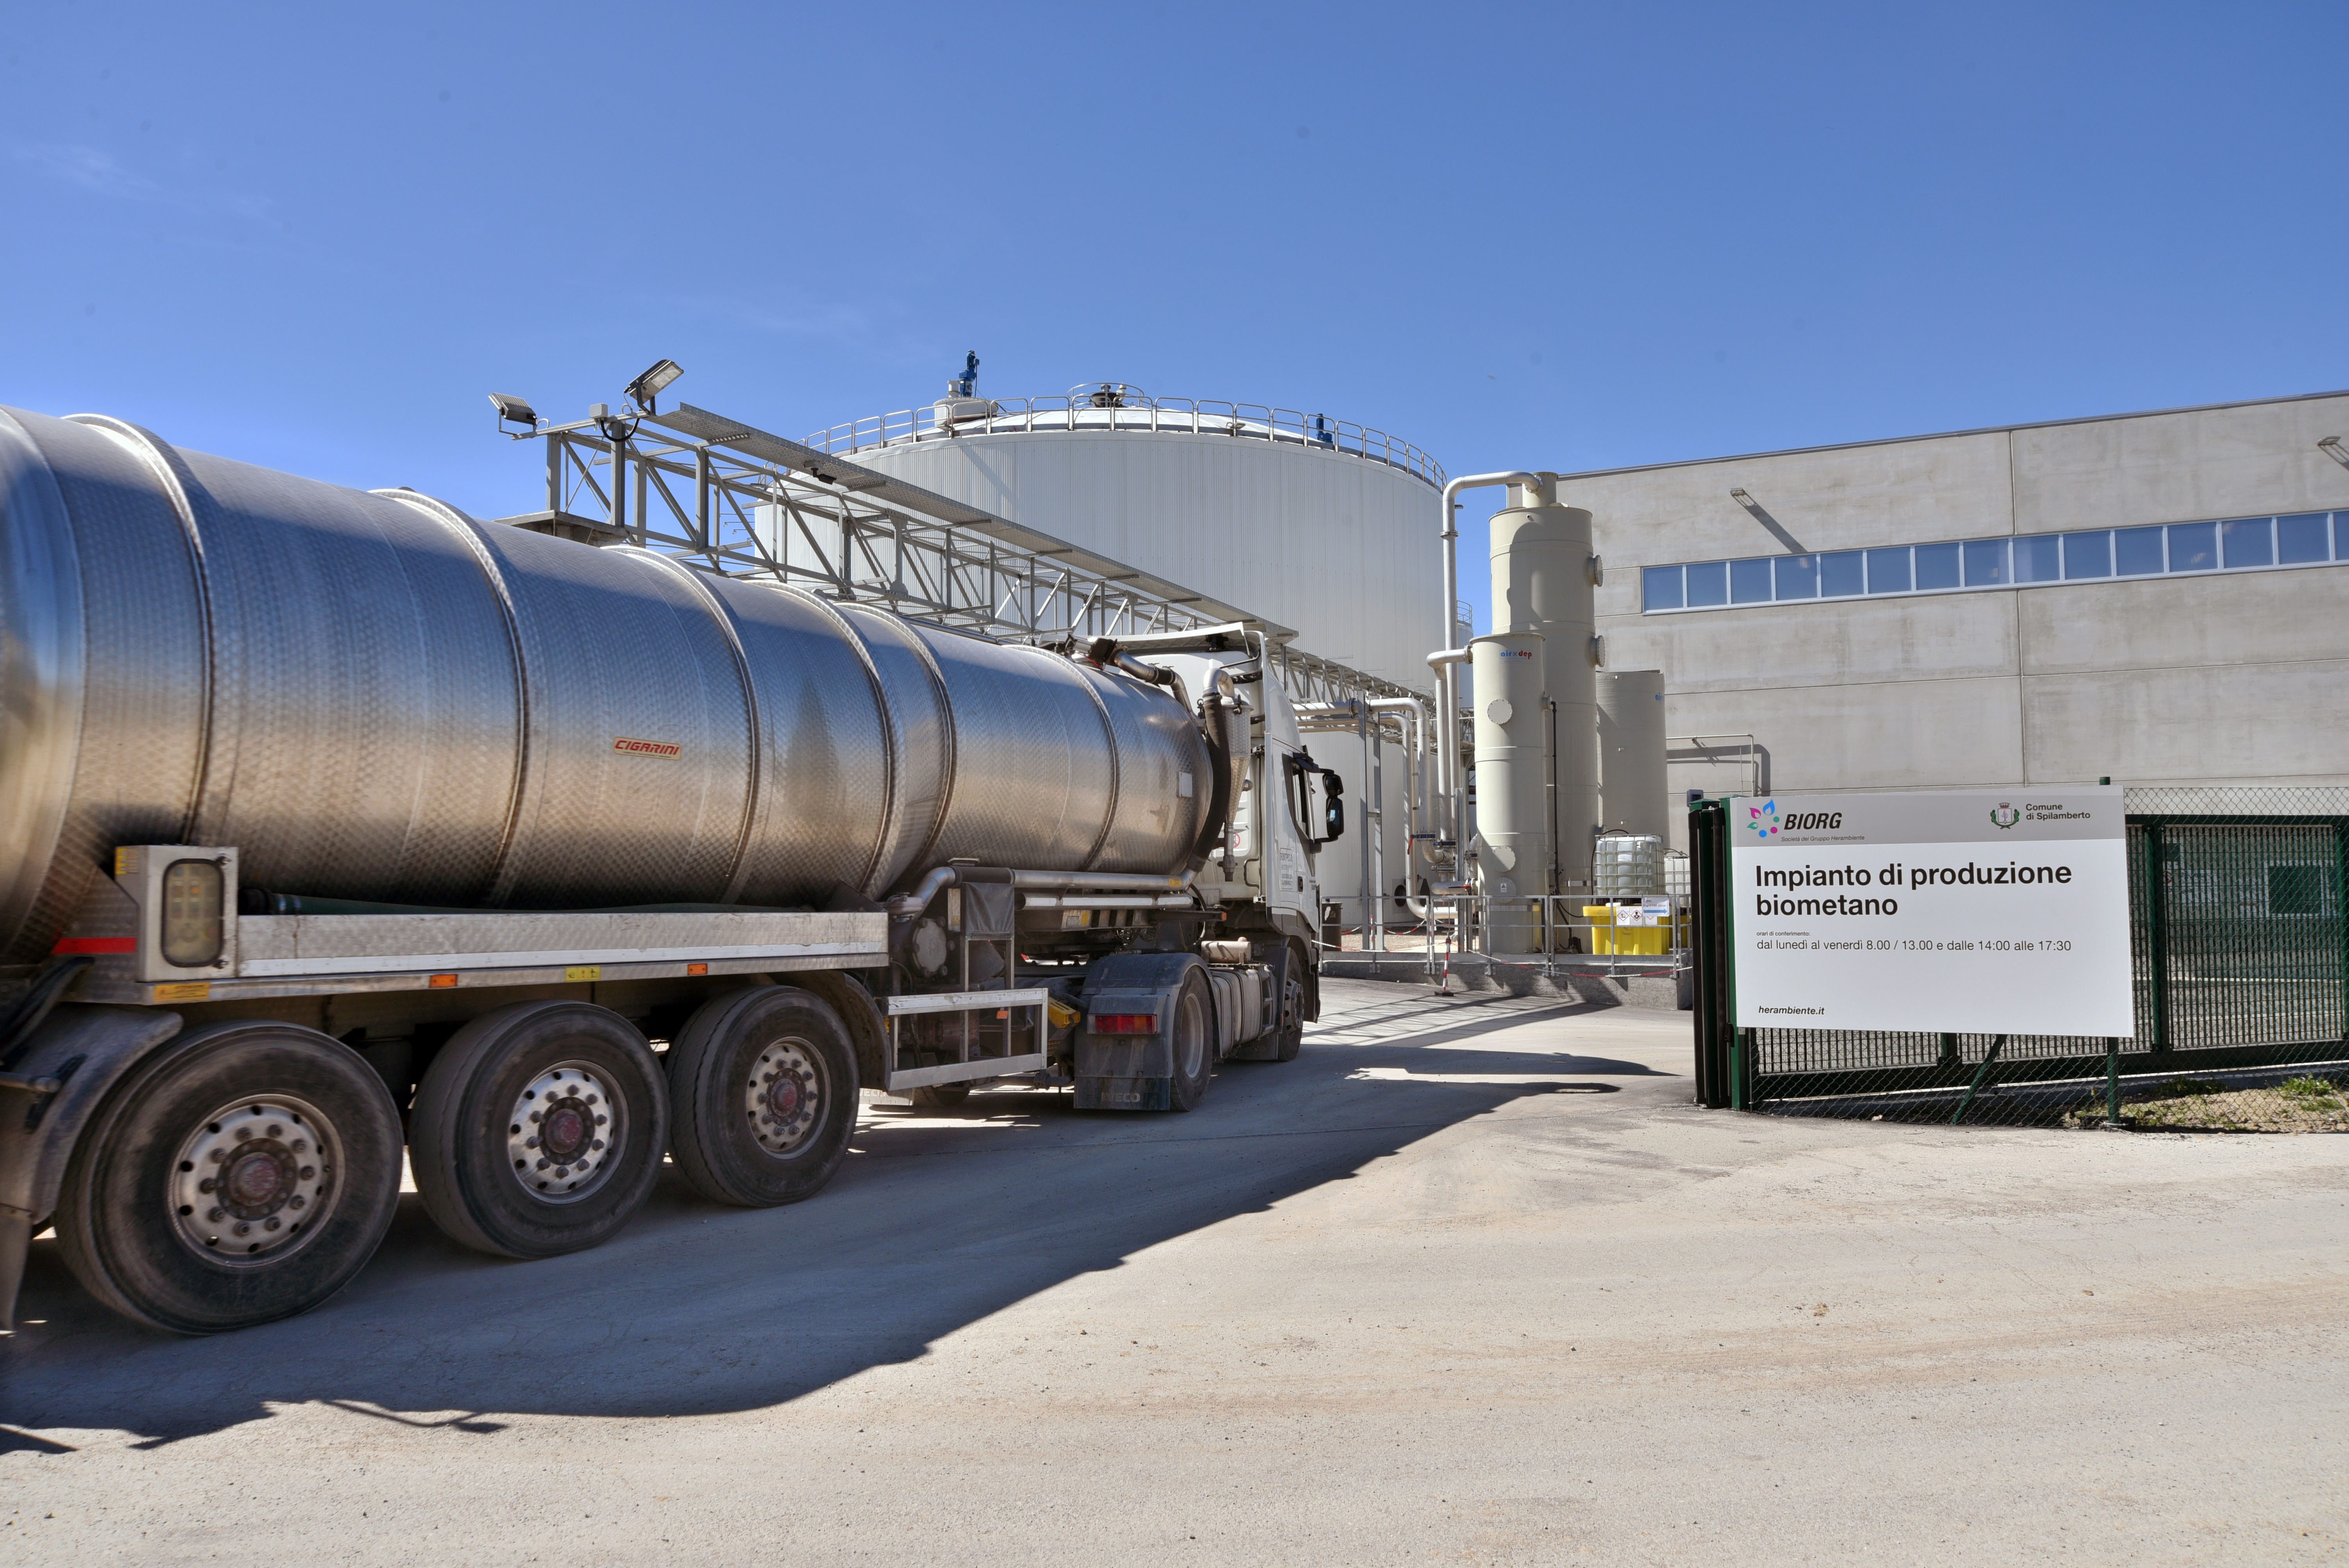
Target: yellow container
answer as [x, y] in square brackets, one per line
[1628, 941]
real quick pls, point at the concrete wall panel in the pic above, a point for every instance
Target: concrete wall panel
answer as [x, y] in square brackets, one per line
[1926, 638]
[1894, 493]
[2246, 723]
[1906, 735]
[2177, 468]
[2223, 618]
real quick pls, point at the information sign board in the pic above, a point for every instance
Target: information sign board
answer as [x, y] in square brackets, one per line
[1969, 912]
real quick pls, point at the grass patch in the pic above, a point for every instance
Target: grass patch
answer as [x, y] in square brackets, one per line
[2316, 1091]
[2303, 1104]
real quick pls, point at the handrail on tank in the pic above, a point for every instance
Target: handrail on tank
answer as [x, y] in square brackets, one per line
[1133, 412]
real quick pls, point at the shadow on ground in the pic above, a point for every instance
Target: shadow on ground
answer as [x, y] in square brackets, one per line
[930, 1225]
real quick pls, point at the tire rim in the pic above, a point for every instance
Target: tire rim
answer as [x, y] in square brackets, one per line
[256, 1179]
[566, 1130]
[784, 1096]
[1190, 1037]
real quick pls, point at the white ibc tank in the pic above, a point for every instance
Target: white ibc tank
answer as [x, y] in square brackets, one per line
[1309, 522]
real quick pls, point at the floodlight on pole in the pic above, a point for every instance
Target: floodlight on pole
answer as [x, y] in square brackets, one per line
[513, 410]
[645, 387]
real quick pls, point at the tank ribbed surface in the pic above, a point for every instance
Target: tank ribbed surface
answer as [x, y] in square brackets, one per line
[375, 696]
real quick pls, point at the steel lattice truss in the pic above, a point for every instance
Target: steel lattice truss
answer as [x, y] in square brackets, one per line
[738, 500]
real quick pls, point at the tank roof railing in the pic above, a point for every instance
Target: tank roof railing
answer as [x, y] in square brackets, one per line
[1131, 411]
[724, 497]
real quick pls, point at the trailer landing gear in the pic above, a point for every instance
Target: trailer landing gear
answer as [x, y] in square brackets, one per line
[244, 1172]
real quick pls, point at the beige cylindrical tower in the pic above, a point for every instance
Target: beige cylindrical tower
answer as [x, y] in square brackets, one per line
[1633, 793]
[1512, 782]
[1543, 573]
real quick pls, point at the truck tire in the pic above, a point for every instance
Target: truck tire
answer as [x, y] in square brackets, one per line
[762, 1083]
[1191, 1028]
[241, 1173]
[938, 1096]
[1295, 1003]
[539, 1129]
[1289, 1037]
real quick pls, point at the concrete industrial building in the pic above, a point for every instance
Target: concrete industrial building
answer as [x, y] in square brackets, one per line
[2158, 598]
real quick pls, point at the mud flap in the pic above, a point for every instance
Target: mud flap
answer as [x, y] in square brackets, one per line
[83, 1050]
[1130, 1072]
[15, 1241]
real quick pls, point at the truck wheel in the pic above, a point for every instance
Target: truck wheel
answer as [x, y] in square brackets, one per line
[538, 1128]
[1291, 1038]
[764, 1085]
[1193, 1042]
[938, 1096]
[244, 1172]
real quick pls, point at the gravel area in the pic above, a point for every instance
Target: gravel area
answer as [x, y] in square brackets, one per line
[1471, 1281]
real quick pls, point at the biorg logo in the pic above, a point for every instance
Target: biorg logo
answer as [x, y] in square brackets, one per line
[1762, 819]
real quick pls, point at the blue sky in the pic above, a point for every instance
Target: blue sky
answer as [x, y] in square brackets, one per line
[1561, 236]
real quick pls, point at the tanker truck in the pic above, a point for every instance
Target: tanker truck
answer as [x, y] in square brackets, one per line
[339, 829]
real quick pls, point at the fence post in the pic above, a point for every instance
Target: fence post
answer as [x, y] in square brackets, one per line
[2341, 912]
[1713, 1006]
[2112, 1080]
[2156, 931]
[1982, 1076]
[1700, 961]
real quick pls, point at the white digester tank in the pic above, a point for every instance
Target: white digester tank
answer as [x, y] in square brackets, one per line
[1543, 574]
[1309, 522]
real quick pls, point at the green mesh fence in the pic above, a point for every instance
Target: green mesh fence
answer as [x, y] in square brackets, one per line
[2240, 960]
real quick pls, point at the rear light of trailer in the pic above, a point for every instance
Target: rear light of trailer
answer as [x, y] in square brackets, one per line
[1125, 1023]
[192, 934]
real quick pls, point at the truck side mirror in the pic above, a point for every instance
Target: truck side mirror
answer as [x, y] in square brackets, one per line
[1333, 807]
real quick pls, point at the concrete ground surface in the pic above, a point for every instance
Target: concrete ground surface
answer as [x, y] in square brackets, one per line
[1471, 1281]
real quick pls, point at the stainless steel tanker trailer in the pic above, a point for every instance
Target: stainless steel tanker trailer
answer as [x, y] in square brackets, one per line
[332, 823]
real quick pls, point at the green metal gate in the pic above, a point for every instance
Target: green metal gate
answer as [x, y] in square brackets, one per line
[2241, 961]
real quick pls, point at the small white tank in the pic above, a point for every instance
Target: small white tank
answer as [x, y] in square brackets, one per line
[1635, 797]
